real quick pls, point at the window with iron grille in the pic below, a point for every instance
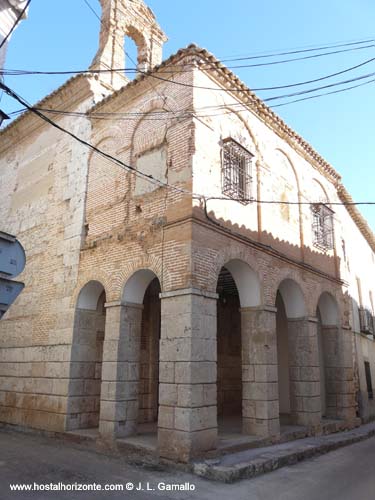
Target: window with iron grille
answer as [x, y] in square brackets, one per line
[236, 171]
[368, 380]
[366, 321]
[322, 226]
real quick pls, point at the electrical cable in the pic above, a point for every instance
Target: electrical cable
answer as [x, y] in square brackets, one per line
[266, 54]
[323, 94]
[20, 72]
[152, 179]
[162, 115]
[308, 91]
[92, 10]
[153, 87]
[149, 177]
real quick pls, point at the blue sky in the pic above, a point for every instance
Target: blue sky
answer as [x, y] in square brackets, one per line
[63, 36]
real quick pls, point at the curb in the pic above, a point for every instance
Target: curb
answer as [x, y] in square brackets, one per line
[270, 459]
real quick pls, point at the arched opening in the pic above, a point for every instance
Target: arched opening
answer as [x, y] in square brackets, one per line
[149, 357]
[283, 360]
[291, 308]
[322, 366]
[136, 51]
[329, 363]
[237, 287]
[143, 289]
[131, 58]
[229, 353]
[86, 358]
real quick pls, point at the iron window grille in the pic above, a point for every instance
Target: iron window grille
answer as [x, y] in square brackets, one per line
[366, 321]
[322, 226]
[236, 168]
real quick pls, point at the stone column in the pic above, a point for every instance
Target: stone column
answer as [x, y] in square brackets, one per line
[338, 361]
[260, 402]
[187, 391]
[304, 371]
[120, 371]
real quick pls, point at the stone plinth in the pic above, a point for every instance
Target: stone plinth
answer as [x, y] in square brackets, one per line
[187, 393]
[338, 361]
[120, 372]
[304, 370]
[260, 405]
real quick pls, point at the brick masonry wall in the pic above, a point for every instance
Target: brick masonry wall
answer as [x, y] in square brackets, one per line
[79, 220]
[43, 179]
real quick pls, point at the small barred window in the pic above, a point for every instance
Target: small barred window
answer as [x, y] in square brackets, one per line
[322, 226]
[236, 171]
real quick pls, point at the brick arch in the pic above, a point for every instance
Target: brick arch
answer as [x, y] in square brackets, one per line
[283, 275]
[294, 299]
[161, 128]
[143, 48]
[159, 101]
[86, 277]
[122, 18]
[150, 263]
[343, 307]
[110, 133]
[229, 255]
[329, 309]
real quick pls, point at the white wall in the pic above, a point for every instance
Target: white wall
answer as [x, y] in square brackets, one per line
[9, 12]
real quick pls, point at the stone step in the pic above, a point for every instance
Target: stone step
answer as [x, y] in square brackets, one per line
[254, 462]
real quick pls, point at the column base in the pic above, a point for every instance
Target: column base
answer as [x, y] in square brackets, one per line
[111, 430]
[183, 446]
[263, 428]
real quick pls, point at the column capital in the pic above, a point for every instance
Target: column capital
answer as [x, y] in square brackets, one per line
[189, 291]
[119, 303]
[308, 319]
[265, 308]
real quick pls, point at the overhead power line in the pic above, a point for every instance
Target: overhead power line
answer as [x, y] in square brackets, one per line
[323, 94]
[278, 87]
[149, 177]
[108, 156]
[202, 112]
[93, 11]
[310, 48]
[25, 72]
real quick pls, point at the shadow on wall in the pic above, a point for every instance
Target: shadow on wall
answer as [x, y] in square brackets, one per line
[329, 264]
[341, 353]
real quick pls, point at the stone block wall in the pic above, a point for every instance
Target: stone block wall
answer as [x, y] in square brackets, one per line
[42, 194]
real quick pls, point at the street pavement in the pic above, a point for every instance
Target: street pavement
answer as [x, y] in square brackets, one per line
[344, 474]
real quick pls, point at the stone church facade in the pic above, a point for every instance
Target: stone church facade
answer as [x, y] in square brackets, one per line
[165, 293]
